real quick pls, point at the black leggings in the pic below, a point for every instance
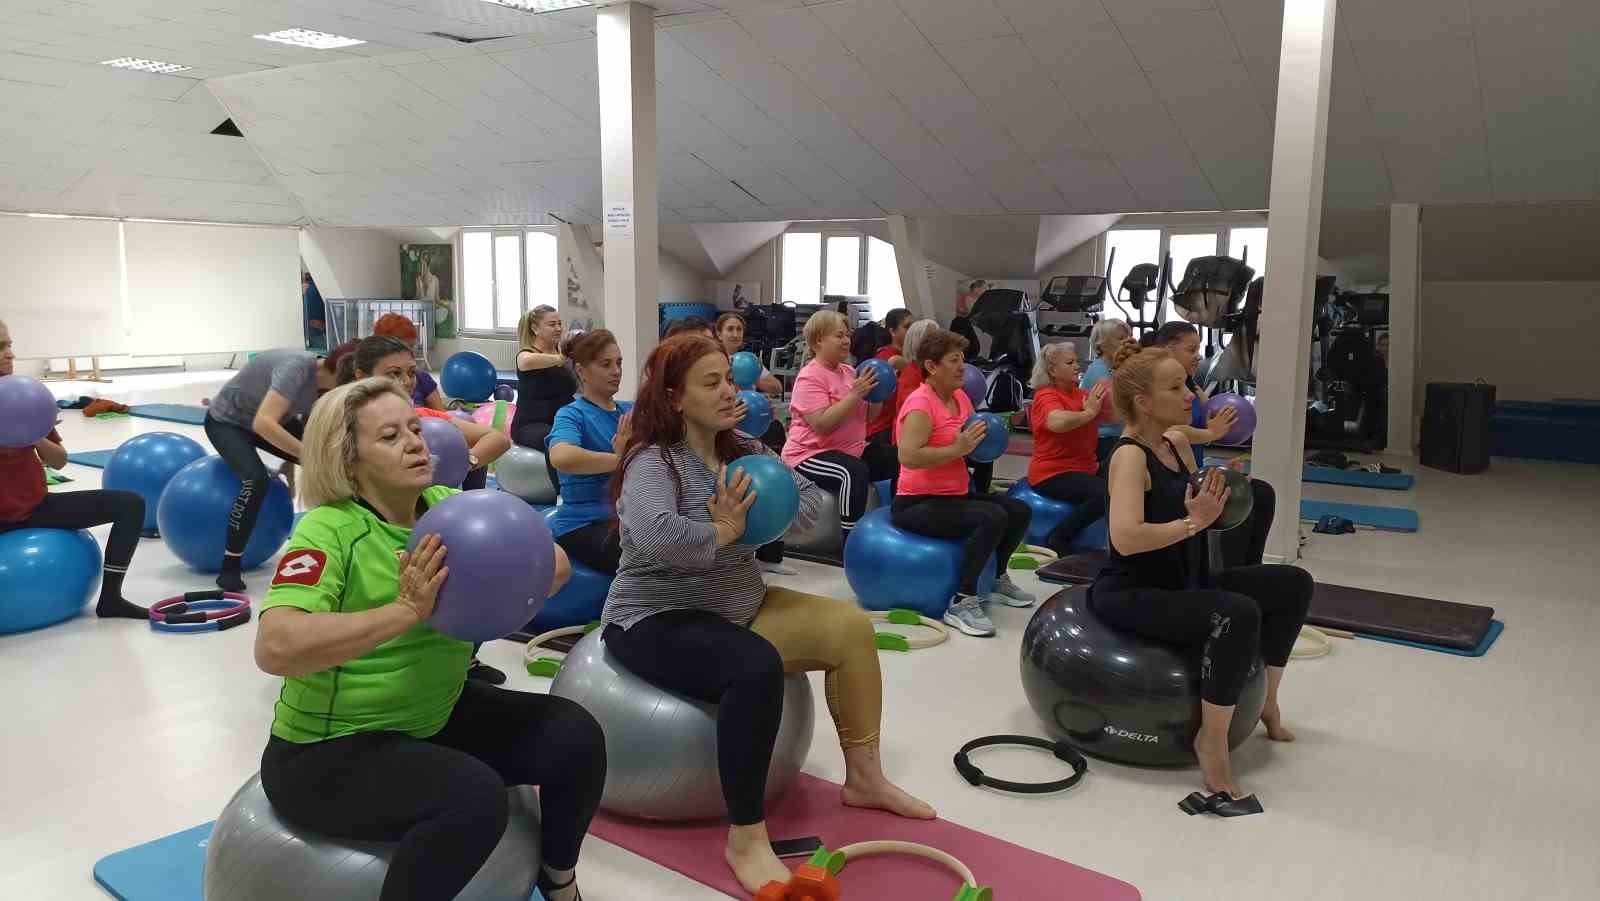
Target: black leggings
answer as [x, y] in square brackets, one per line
[1255, 610]
[850, 478]
[533, 434]
[237, 447]
[989, 524]
[1086, 492]
[775, 436]
[597, 546]
[1246, 543]
[703, 656]
[444, 798]
[86, 509]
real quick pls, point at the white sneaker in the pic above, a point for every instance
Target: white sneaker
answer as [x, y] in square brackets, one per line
[1010, 593]
[967, 616]
[777, 569]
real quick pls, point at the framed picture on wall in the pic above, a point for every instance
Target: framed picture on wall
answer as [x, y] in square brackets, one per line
[738, 295]
[426, 273]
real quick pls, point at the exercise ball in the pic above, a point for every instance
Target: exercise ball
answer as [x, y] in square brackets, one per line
[504, 392]
[253, 855]
[496, 415]
[661, 748]
[757, 415]
[1244, 426]
[46, 576]
[1049, 513]
[469, 376]
[193, 516]
[975, 384]
[502, 562]
[888, 567]
[886, 379]
[1119, 696]
[144, 464]
[578, 603]
[27, 411]
[448, 449]
[995, 439]
[521, 472]
[746, 369]
[1241, 499]
[777, 498]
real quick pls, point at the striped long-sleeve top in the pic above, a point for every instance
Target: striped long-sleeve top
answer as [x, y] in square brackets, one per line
[670, 558]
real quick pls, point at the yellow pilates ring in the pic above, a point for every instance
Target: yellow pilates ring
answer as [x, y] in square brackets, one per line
[546, 666]
[893, 641]
[1312, 643]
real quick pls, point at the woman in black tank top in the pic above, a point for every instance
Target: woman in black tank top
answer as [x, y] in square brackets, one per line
[544, 384]
[1155, 583]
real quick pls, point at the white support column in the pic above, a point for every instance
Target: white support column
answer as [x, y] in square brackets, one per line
[1300, 143]
[913, 266]
[1405, 297]
[626, 41]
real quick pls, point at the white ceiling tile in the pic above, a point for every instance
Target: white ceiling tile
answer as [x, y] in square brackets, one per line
[792, 33]
[869, 26]
[1090, 183]
[1026, 15]
[941, 21]
[1378, 21]
[1078, 56]
[1166, 178]
[1194, 39]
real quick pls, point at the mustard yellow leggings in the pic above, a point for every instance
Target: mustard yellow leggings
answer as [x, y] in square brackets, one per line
[813, 633]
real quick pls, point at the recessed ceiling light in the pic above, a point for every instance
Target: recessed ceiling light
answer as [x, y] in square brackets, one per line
[305, 37]
[541, 6]
[145, 65]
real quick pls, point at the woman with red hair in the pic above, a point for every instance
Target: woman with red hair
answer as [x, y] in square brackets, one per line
[426, 393]
[688, 610]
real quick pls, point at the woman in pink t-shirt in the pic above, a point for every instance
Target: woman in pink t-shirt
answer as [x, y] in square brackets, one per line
[828, 422]
[934, 497]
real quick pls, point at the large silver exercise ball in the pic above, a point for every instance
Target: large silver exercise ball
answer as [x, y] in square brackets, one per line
[661, 748]
[1119, 696]
[521, 471]
[254, 856]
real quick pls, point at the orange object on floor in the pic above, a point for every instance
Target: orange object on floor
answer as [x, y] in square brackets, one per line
[809, 883]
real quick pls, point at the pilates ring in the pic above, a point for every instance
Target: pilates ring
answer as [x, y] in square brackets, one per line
[825, 865]
[891, 641]
[1063, 751]
[546, 667]
[211, 610]
[1317, 644]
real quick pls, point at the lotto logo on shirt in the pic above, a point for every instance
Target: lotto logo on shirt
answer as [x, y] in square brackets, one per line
[301, 568]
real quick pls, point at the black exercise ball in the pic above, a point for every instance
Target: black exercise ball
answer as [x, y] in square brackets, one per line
[1118, 696]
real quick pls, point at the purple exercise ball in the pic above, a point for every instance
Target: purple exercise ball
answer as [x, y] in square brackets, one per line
[502, 561]
[974, 383]
[27, 411]
[448, 448]
[1244, 426]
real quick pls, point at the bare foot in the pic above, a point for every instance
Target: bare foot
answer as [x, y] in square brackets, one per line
[1272, 718]
[753, 863]
[1215, 764]
[886, 796]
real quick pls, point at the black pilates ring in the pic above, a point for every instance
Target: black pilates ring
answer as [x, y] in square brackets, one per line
[1063, 751]
[210, 610]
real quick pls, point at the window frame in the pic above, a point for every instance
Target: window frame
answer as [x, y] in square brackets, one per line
[1221, 230]
[494, 232]
[863, 261]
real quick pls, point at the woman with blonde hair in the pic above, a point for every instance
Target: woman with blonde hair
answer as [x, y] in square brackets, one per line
[377, 734]
[544, 383]
[828, 416]
[1064, 465]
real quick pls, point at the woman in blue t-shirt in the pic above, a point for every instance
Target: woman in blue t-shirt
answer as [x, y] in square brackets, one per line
[1107, 336]
[585, 445]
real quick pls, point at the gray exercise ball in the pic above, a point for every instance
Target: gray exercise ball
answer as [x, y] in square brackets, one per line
[253, 855]
[661, 748]
[522, 472]
[825, 537]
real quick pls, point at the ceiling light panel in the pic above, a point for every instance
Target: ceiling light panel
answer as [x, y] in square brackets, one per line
[540, 6]
[144, 65]
[314, 40]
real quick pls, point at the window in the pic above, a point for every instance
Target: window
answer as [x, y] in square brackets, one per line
[843, 259]
[816, 263]
[1132, 247]
[1250, 245]
[504, 274]
[883, 278]
[801, 278]
[1184, 248]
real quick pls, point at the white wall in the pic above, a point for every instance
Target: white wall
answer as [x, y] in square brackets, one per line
[761, 266]
[677, 283]
[1532, 340]
[352, 262]
[63, 284]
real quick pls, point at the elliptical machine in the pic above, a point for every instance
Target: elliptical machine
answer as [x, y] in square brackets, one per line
[1348, 410]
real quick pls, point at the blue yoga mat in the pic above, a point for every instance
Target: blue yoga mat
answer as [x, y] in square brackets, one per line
[1360, 478]
[97, 459]
[1495, 628]
[1389, 519]
[170, 413]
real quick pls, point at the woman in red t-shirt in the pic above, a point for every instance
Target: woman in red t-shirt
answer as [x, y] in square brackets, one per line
[25, 504]
[1065, 422]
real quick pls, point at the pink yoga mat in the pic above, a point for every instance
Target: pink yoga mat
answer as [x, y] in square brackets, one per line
[811, 807]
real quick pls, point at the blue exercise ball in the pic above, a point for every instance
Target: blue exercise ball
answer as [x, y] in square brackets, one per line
[579, 602]
[995, 440]
[888, 567]
[758, 414]
[193, 516]
[746, 369]
[46, 576]
[777, 499]
[1049, 513]
[887, 379]
[469, 376]
[144, 464]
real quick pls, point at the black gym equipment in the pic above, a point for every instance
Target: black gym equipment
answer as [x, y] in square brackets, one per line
[1063, 751]
[1241, 500]
[1002, 314]
[1348, 409]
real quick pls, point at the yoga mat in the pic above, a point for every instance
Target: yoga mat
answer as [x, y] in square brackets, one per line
[170, 413]
[1078, 569]
[811, 807]
[97, 459]
[1400, 616]
[1388, 519]
[1482, 647]
[1360, 478]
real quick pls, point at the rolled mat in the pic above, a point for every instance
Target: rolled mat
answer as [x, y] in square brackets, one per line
[170, 413]
[812, 807]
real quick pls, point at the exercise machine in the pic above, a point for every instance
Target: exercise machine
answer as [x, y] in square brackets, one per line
[1349, 395]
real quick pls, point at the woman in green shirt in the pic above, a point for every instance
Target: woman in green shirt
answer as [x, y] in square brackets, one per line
[377, 733]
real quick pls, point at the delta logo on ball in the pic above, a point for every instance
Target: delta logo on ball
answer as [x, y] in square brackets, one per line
[301, 568]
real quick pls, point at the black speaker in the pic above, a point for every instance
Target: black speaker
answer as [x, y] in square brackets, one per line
[1455, 426]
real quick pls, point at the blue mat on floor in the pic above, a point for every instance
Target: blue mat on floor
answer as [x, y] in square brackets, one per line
[1360, 478]
[1389, 519]
[170, 413]
[98, 459]
[1495, 628]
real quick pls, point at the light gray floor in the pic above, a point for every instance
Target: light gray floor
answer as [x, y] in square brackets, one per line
[1417, 775]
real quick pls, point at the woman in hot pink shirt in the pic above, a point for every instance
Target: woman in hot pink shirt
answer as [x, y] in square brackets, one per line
[828, 422]
[934, 497]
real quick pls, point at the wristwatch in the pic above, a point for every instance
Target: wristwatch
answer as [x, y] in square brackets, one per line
[472, 461]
